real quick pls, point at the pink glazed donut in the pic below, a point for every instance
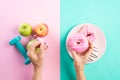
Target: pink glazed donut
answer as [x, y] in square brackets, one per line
[89, 31]
[78, 43]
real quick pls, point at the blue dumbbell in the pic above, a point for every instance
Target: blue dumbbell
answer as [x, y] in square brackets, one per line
[20, 47]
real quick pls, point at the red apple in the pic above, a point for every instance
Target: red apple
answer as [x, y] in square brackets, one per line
[41, 30]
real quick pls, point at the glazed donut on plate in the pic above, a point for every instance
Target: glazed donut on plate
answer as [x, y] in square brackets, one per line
[78, 43]
[89, 31]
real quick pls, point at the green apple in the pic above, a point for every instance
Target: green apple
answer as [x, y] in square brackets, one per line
[25, 29]
[37, 50]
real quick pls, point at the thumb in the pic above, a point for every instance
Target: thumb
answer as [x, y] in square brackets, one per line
[90, 49]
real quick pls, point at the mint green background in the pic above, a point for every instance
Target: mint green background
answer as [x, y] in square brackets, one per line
[105, 14]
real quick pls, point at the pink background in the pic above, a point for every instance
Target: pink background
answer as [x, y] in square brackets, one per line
[15, 12]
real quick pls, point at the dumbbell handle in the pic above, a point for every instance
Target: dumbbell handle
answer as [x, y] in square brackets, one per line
[22, 50]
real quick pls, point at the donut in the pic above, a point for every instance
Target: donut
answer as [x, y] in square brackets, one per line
[78, 43]
[89, 31]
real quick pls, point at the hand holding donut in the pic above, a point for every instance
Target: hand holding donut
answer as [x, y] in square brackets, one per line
[79, 42]
[81, 58]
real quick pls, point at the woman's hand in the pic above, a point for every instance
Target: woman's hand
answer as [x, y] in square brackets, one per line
[79, 61]
[37, 59]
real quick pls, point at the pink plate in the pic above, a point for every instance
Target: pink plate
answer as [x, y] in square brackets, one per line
[99, 43]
